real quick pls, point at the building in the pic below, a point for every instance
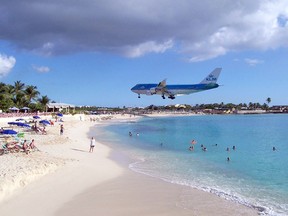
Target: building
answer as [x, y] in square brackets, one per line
[60, 107]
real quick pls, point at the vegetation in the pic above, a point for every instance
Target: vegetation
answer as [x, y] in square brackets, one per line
[20, 95]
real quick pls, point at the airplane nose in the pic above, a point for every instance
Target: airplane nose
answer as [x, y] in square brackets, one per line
[133, 88]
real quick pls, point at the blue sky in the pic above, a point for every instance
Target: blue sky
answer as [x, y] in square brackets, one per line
[93, 52]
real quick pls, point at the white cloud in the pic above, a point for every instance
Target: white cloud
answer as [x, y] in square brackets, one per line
[41, 69]
[148, 47]
[6, 64]
[253, 62]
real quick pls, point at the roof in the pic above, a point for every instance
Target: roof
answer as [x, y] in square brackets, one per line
[59, 105]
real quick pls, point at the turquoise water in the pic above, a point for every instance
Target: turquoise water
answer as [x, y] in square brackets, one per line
[255, 176]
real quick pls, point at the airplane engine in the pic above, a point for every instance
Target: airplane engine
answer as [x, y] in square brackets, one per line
[148, 92]
[153, 91]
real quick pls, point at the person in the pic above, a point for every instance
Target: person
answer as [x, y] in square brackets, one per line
[61, 129]
[274, 148]
[227, 149]
[25, 146]
[193, 142]
[191, 148]
[130, 133]
[32, 144]
[234, 147]
[228, 159]
[51, 123]
[92, 144]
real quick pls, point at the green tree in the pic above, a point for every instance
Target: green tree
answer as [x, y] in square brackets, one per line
[31, 93]
[43, 101]
[268, 100]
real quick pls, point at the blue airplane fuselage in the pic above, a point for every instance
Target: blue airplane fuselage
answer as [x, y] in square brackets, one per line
[150, 89]
[209, 82]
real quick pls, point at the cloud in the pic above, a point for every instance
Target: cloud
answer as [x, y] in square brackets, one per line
[197, 29]
[41, 69]
[147, 47]
[6, 64]
[253, 62]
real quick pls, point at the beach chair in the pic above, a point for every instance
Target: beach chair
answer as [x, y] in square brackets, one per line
[20, 135]
[3, 150]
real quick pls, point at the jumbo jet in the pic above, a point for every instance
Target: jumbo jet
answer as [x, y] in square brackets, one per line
[172, 90]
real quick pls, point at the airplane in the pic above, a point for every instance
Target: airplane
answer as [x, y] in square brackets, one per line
[172, 90]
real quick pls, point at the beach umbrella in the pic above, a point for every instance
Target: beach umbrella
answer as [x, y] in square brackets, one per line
[19, 119]
[8, 131]
[60, 114]
[13, 123]
[13, 109]
[25, 108]
[36, 117]
[21, 124]
[44, 122]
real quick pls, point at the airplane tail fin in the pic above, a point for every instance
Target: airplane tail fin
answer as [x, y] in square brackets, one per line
[212, 77]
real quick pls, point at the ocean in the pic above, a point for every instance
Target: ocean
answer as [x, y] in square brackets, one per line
[255, 176]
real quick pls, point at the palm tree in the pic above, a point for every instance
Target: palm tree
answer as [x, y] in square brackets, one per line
[31, 93]
[44, 100]
[268, 100]
[5, 97]
[18, 87]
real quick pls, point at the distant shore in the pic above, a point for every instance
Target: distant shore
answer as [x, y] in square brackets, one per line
[63, 178]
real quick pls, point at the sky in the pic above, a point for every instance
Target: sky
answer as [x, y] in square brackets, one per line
[92, 52]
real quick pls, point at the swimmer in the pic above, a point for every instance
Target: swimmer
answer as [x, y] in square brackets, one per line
[228, 158]
[234, 147]
[191, 148]
[227, 149]
[274, 149]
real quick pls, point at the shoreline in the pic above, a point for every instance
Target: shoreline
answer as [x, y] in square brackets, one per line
[102, 183]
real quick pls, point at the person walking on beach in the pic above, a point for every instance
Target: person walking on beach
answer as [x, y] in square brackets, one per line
[92, 144]
[61, 129]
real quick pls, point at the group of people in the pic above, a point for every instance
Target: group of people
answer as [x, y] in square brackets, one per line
[37, 129]
[204, 148]
[130, 134]
[17, 146]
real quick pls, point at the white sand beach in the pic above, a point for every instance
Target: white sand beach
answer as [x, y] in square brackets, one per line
[63, 178]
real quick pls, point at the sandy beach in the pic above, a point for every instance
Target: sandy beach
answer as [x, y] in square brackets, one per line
[63, 178]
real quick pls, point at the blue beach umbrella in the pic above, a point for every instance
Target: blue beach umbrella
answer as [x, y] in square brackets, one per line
[25, 108]
[20, 119]
[13, 109]
[20, 124]
[13, 123]
[36, 117]
[60, 114]
[44, 122]
[9, 132]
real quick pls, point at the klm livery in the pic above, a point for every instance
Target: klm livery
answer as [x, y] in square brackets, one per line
[172, 90]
